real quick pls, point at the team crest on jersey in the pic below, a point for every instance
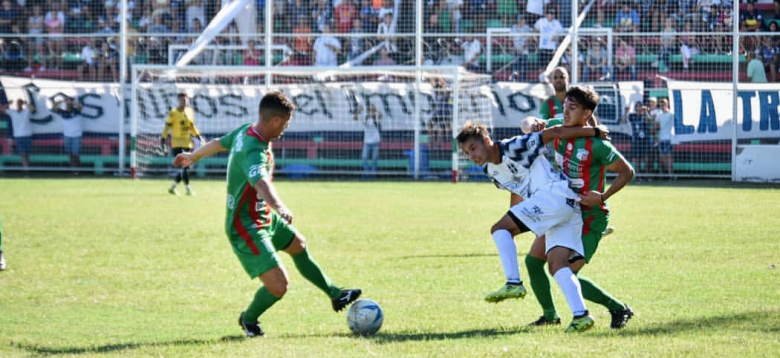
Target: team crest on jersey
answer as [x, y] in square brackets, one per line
[582, 154]
[569, 146]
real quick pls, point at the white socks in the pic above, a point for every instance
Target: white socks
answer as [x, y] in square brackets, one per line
[507, 251]
[570, 286]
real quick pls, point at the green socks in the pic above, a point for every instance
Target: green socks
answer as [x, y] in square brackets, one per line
[263, 301]
[592, 292]
[312, 272]
[540, 284]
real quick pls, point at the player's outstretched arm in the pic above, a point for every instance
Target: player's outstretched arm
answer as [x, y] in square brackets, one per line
[265, 188]
[188, 159]
[560, 132]
[625, 172]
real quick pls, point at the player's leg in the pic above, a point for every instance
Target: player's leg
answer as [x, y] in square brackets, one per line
[540, 283]
[564, 247]
[177, 179]
[185, 175]
[594, 225]
[289, 240]
[259, 259]
[503, 233]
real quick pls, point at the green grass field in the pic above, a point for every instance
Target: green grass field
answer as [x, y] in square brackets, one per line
[119, 268]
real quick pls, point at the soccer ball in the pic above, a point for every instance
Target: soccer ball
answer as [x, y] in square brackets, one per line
[527, 124]
[364, 317]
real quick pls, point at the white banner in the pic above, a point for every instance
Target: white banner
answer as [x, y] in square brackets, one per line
[321, 106]
[704, 111]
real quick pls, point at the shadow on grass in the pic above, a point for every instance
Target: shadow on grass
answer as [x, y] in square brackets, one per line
[759, 321]
[110, 348]
[393, 337]
[447, 256]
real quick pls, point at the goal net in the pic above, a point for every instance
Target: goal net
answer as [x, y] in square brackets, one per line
[362, 122]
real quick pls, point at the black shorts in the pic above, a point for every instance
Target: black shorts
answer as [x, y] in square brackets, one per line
[640, 148]
[177, 151]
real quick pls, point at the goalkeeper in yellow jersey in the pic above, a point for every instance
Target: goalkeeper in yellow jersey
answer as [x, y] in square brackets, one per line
[181, 124]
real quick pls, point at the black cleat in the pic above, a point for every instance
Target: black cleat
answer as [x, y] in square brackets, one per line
[252, 330]
[620, 317]
[545, 322]
[346, 297]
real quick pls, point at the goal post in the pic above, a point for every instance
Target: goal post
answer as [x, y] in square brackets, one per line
[361, 122]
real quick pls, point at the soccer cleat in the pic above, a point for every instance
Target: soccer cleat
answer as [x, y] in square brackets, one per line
[545, 322]
[252, 330]
[580, 323]
[172, 191]
[190, 192]
[609, 231]
[506, 292]
[346, 297]
[620, 317]
[2, 261]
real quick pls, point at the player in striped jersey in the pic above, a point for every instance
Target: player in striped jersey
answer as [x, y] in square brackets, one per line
[255, 232]
[548, 206]
[584, 161]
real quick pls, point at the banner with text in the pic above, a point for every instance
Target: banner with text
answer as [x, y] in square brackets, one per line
[704, 111]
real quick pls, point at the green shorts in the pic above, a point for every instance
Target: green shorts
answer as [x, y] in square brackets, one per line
[258, 255]
[594, 224]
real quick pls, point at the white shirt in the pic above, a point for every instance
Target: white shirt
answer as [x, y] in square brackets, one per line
[20, 120]
[88, 54]
[471, 49]
[383, 29]
[519, 42]
[547, 30]
[71, 127]
[370, 132]
[525, 170]
[665, 125]
[326, 56]
[536, 6]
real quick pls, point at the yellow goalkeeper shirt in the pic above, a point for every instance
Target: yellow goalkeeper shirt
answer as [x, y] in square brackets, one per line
[182, 127]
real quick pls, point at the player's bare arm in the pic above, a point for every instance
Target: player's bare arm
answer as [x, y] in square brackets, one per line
[188, 159]
[514, 199]
[265, 188]
[561, 132]
[625, 172]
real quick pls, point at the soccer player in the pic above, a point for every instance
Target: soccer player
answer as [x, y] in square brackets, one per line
[255, 232]
[548, 206]
[552, 107]
[182, 127]
[584, 161]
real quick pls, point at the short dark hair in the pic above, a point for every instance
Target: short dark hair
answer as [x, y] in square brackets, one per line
[583, 96]
[181, 94]
[470, 130]
[275, 103]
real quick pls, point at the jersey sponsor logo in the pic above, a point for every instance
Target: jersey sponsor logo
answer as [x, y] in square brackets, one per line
[569, 146]
[255, 170]
[534, 213]
[238, 143]
[231, 202]
[582, 154]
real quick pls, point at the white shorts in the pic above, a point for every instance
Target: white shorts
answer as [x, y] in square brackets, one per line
[555, 216]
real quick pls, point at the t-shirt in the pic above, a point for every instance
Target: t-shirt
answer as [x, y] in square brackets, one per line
[756, 72]
[627, 20]
[326, 56]
[20, 122]
[547, 31]
[371, 131]
[547, 111]
[524, 169]
[665, 125]
[71, 123]
[519, 42]
[639, 126]
[584, 162]
[250, 160]
[182, 127]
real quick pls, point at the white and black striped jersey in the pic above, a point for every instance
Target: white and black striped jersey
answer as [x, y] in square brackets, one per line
[524, 169]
